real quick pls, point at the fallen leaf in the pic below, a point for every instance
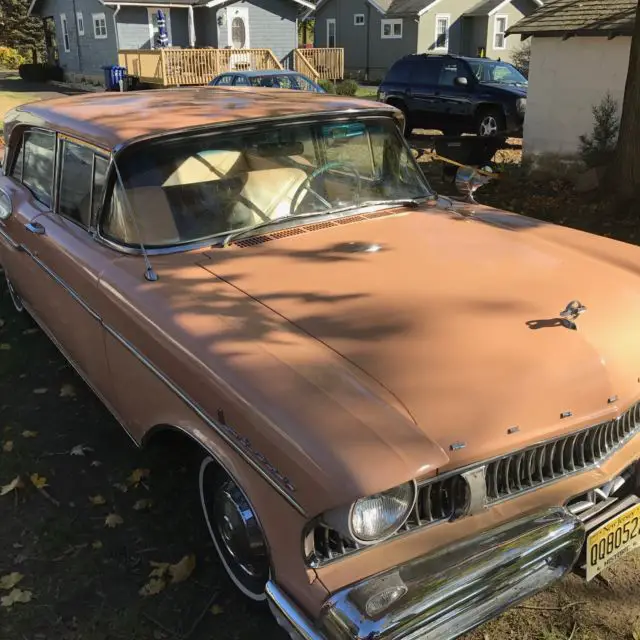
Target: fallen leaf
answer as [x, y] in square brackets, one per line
[29, 332]
[95, 463]
[5, 346]
[29, 434]
[182, 570]
[37, 481]
[216, 609]
[1, 323]
[113, 520]
[97, 500]
[10, 580]
[7, 447]
[79, 450]
[96, 544]
[16, 483]
[137, 475]
[40, 391]
[142, 505]
[154, 586]
[17, 595]
[121, 487]
[160, 569]
[67, 391]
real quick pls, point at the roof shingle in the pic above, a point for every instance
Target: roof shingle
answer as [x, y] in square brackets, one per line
[580, 17]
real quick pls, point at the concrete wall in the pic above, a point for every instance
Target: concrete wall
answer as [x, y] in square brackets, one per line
[565, 80]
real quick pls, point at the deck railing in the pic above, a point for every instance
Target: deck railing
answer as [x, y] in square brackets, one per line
[327, 64]
[172, 67]
[301, 64]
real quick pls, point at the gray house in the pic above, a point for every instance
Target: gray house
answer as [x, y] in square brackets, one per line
[85, 35]
[375, 33]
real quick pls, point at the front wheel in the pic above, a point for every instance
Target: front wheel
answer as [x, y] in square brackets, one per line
[490, 123]
[235, 530]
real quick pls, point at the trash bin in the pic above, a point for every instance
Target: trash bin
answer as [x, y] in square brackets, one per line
[112, 76]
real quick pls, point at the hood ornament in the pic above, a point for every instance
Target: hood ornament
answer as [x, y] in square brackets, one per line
[569, 316]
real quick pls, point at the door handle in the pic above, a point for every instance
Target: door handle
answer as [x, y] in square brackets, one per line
[35, 227]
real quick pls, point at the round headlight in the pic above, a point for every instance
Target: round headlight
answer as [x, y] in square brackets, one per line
[382, 514]
[5, 206]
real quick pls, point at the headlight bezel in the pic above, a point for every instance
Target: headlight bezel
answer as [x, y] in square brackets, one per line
[521, 106]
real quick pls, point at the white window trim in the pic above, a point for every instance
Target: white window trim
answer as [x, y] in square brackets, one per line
[103, 17]
[335, 31]
[496, 32]
[355, 20]
[151, 11]
[392, 22]
[80, 23]
[447, 17]
[66, 42]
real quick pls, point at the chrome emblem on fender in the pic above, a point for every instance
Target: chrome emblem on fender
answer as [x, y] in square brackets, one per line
[569, 316]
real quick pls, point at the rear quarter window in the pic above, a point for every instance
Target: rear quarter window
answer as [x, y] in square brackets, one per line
[400, 71]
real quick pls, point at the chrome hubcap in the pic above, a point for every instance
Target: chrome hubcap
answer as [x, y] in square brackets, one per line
[15, 298]
[488, 126]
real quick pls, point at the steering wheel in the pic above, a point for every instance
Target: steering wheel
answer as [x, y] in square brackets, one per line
[306, 184]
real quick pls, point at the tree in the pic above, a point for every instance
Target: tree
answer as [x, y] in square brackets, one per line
[624, 171]
[19, 31]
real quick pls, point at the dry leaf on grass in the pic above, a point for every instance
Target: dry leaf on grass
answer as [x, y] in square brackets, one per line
[40, 391]
[17, 595]
[10, 580]
[7, 447]
[79, 450]
[1, 323]
[97, 500]
[5, 346]
[39, 482]
[182, 570]
[216, 609]
[159, 569]
[67, 391]
[29, 434]
[143, 505]
[96, 544]
[95, 463]
[137, 475]
[154, 586]
[113, 520]
[30, 332]
[120, 487]
[16, 483]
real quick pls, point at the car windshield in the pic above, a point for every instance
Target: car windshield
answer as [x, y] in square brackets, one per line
[497, 72]
[190, 188]
[285, 81]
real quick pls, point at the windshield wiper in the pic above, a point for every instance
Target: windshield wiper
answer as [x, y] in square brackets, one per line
[397, 202]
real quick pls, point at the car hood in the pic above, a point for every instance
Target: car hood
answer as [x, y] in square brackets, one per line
[515, 90]
[455, 319]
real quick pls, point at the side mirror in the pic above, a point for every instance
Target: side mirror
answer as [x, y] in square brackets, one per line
[462, 81]
[469, 180]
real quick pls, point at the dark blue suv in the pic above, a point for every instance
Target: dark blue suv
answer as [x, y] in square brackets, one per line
[457, 94]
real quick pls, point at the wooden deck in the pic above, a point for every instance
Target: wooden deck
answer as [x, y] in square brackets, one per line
[176, 67]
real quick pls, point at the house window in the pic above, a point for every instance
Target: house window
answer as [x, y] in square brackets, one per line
[331, 33]
[152, 15]
[65, 32]
[80, 22]
[99, 26]
[358, 19]
[391, 28]
[443, 22]
[500, 24]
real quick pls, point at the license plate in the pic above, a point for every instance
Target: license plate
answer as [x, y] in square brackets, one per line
[612, 539]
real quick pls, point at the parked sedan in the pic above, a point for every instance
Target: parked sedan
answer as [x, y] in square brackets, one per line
[411, 412]
[273, 79]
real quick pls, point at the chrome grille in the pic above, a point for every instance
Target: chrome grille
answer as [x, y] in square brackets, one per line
[535, 466]
[437, 501]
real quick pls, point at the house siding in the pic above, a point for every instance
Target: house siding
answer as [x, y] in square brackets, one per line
[133, 28]
[475, 34]
[515, 11]
[272, 25]
[206, 27]
[87, 54]
[566, 79]
[427, 29]
[382, 52]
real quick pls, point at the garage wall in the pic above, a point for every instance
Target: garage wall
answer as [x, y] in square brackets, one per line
[565, 80]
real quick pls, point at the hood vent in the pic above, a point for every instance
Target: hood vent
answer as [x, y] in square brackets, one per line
[316, 226]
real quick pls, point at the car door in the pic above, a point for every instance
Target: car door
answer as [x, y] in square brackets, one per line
[454, 101]
[423, 92]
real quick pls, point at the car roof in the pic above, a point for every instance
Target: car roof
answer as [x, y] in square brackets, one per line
[450, 55]
[259, 74]
[110, 120]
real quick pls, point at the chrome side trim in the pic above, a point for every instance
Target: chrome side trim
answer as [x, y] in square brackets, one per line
[9, 240]
[220, 429]
[288, 616]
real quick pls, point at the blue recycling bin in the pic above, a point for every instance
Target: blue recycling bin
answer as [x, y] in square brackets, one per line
[112, 76]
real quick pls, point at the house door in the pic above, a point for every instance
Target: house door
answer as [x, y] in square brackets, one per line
[331, 33]
[238, 26]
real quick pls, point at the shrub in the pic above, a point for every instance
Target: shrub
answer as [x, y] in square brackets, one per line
[596, 148]
[10, 58]
[521, 58]
[347, 88]
[40, 72]
[327, 85]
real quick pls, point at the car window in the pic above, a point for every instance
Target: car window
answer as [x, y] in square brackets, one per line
[224, 80]
[37, 171]
[99, 182]
[303, 83]
[427, 70]
[451, 70]
[76, 180]
[400, 71]
[240, 81]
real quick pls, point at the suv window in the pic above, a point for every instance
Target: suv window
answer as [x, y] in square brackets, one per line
[400, 71]
[37, 171]
[427, 70]
[76, 178]
[451, 70]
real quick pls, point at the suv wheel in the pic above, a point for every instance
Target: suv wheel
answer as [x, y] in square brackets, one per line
[490, 123]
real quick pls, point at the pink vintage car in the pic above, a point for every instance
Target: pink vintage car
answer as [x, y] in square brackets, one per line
[412, 412]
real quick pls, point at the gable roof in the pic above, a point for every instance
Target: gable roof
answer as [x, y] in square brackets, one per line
[564, 18]
[489, 7]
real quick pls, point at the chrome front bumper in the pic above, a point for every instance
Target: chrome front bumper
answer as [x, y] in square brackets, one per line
[445, 594]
